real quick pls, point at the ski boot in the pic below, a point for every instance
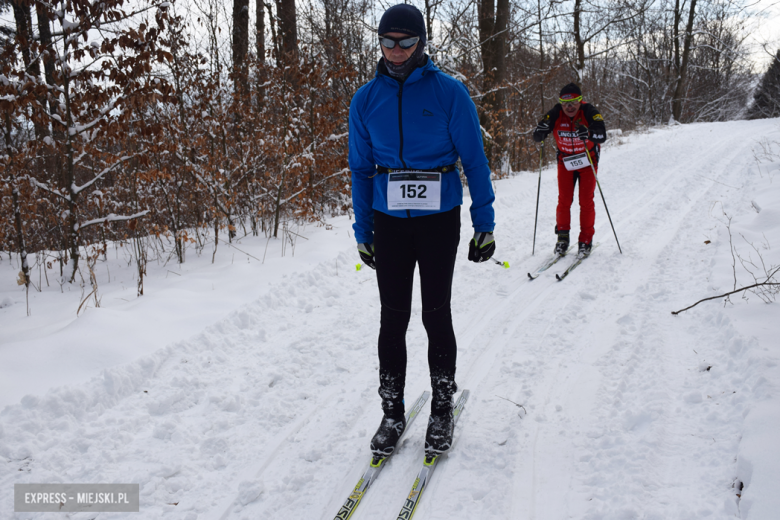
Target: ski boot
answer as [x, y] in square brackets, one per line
[391, 390]
[563, 242]
[386, 437]
[584, 250]
[441, 423]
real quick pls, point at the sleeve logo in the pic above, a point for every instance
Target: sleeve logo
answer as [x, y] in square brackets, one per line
[598, 117]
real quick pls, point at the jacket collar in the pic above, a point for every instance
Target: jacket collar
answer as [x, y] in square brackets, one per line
[578, 117]
[416, 75]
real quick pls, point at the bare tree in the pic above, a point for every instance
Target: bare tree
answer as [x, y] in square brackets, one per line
[493, 30]
[260, 30]
[681, 59]
[288, 29]
[240, 42]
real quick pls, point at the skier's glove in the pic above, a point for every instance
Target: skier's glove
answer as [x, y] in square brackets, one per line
[582, 133]
[367, 254]
[542, 129]
[482, 246]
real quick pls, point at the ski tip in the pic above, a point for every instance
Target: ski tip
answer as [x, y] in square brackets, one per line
[531, 277]
[506, 265]
[557, 277]
[357, 267]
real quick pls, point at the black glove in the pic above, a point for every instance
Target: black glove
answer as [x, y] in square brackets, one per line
[582, 133]
[482, 246]
[542, 129]
[367, 254]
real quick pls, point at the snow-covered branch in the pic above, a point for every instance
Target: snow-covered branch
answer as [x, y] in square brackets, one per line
[78, 189]
[112, 218]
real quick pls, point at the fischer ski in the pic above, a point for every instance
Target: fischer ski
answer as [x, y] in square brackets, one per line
[429, 464]
[376, 465]
[547, 264]
[577, 261]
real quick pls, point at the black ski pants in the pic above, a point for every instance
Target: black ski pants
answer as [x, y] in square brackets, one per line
[400, 244]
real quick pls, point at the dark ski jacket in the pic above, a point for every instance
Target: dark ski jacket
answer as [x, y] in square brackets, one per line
[425, 122]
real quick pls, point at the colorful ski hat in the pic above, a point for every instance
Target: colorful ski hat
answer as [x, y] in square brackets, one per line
[570, 93]
[403, 18]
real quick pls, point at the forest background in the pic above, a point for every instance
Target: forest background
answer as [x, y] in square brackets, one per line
[173, 126]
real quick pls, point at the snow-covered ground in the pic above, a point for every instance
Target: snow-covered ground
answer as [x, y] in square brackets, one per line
[247, 389]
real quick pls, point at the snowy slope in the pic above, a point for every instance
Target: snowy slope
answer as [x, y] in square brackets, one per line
[257, 398]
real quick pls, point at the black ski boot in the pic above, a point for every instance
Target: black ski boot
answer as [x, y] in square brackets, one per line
[563, 242]
[391, 390]
[441, 423]
[584, 250]
[386, 437]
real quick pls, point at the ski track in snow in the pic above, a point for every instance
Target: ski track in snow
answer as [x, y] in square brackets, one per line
[618, 410]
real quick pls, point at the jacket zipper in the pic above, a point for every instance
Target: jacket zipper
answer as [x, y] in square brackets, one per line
[401, 124]
[401, 132]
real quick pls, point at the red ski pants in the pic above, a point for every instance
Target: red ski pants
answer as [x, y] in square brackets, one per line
[566, 183]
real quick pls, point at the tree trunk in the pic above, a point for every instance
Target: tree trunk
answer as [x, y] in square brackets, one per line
[677, 99]
[44, 31]
[429, 14]
[16, 205]
[68, 182]
[288, 29]
[493, 23]
[260, 30]
[676, 36]
[23, 30]
[25, 37]
[240, 42]
[274, 37]
[579, 43]
[486, 30]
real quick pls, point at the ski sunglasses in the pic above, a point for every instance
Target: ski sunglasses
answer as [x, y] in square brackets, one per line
[572, 100]
[405, 43]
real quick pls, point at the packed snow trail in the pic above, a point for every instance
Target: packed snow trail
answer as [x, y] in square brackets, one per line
[588, 399]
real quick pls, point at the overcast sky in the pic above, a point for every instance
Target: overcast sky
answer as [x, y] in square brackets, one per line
[766, 33]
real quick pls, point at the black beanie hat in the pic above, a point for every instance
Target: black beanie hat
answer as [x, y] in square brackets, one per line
[403, 18]
[571, 88]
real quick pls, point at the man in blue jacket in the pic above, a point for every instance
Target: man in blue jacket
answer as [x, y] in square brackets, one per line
[407, 129]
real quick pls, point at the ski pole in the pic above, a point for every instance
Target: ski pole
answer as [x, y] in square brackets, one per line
[538, 188]
[603, 199]
[505, 265]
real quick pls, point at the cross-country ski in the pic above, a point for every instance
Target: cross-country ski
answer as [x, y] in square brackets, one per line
[375, 466]
[577, 261]
[548, 263]
[426, 471]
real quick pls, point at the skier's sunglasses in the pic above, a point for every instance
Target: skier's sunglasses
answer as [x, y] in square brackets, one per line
[572, 100]
[405, 43]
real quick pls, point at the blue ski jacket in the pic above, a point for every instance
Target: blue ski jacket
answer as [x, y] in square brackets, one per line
[425, 122]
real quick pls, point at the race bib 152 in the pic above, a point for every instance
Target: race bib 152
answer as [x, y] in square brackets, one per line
[414, 190]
